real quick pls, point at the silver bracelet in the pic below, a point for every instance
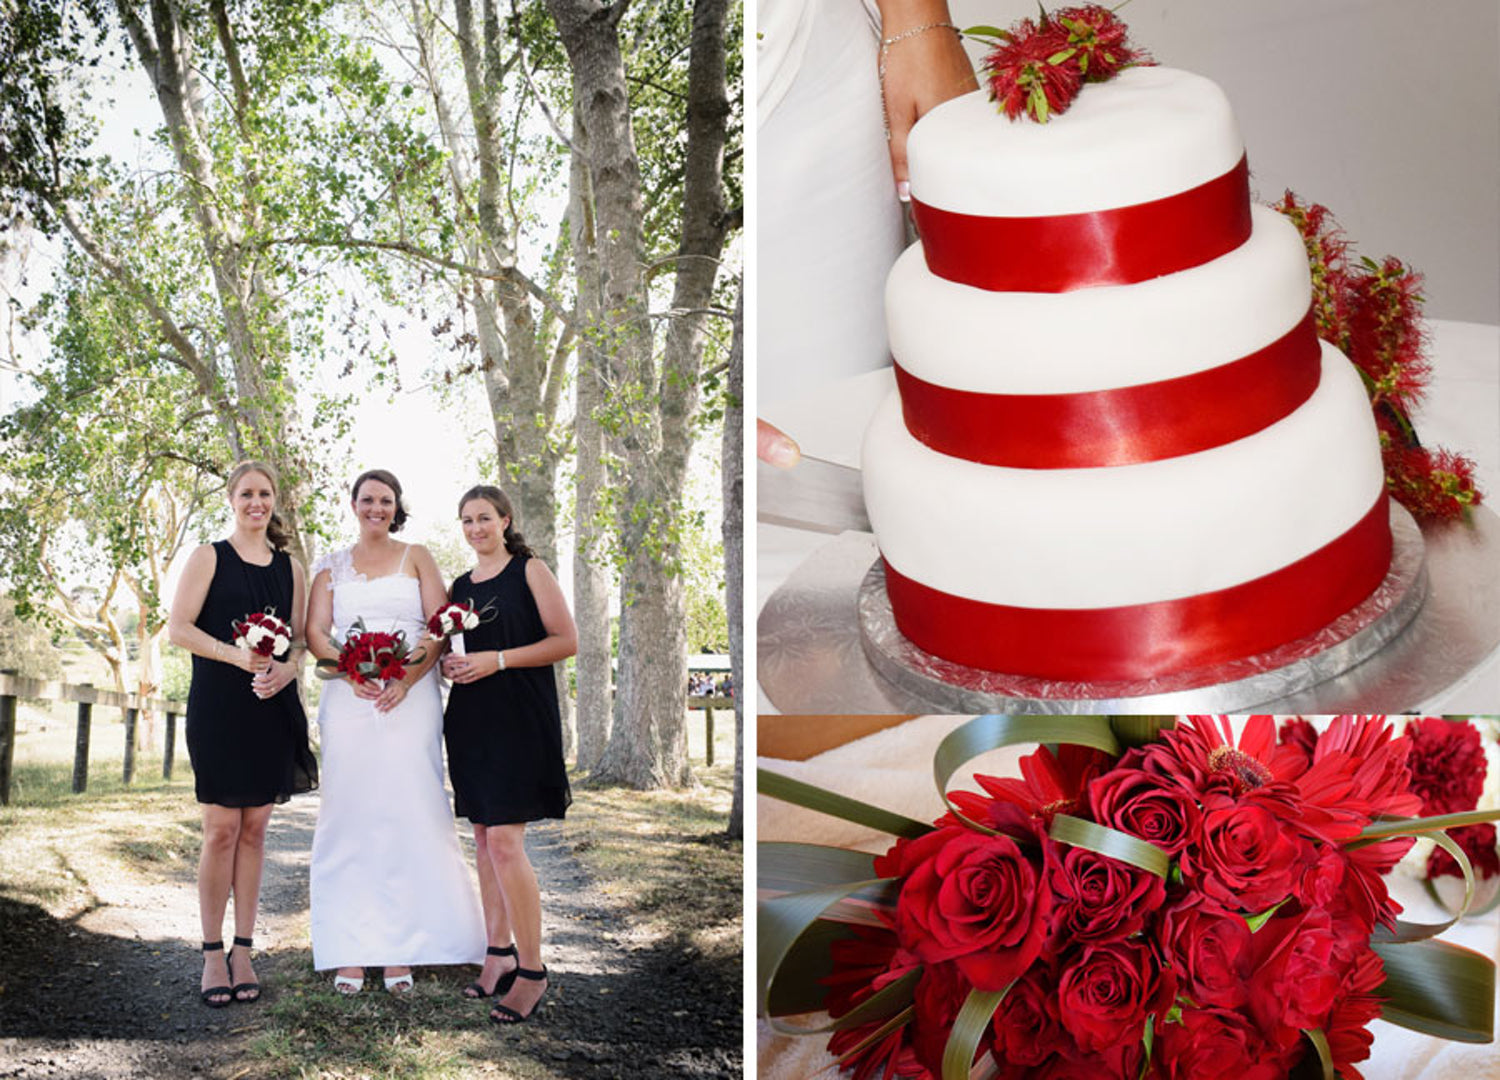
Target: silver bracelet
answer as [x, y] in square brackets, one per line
[885, 47]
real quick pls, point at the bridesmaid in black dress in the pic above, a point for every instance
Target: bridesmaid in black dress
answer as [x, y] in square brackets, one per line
[504, 736]
[246, 731]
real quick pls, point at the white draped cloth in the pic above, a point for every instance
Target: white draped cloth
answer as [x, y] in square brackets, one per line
[893, 769]
[389, 886]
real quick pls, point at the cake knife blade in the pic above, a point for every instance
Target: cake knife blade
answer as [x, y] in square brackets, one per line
[814, 494]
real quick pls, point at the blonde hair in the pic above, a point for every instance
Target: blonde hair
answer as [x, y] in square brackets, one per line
[276, 531]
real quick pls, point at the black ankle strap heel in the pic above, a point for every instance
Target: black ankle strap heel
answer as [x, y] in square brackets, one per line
[251, 989]
[216, 997]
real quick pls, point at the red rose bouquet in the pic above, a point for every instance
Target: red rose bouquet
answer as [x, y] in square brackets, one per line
[369, 656]
[1192, 906]
[263, 633]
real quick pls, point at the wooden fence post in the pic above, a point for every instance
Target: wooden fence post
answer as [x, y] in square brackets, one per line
[131, 713]
[81, 748]
[708, 713]
[171, 746]
[7, 741]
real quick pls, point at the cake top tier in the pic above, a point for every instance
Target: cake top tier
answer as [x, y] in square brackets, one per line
[1149, 133]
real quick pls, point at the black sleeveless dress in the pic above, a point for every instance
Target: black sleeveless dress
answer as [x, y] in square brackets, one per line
[245, 751]
[504, 732]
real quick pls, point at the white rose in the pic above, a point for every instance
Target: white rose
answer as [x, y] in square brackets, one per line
[469, 619]
[282, 644]
[257, 634]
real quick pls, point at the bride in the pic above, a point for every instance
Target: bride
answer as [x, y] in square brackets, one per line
[389, 886]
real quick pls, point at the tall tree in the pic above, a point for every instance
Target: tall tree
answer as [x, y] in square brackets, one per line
[732, 464]
[656, 400]
[230, 152]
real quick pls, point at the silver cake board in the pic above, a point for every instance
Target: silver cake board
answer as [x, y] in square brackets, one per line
[825, 643]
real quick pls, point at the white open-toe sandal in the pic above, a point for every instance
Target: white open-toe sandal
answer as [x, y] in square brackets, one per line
[347, 984]
[399, 984]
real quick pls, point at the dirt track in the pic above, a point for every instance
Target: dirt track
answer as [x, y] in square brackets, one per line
[113, 991]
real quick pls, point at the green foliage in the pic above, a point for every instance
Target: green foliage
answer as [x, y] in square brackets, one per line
[26, 647]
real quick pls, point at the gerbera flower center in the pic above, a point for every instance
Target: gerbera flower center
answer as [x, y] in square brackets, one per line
[1247, 771]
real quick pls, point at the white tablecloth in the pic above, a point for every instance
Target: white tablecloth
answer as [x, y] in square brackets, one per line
[1461, 412]
[893, 769]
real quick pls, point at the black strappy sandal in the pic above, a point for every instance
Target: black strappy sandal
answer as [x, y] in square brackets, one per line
[504, 1014]
[243, 943]
[502, 984]
[216, 997]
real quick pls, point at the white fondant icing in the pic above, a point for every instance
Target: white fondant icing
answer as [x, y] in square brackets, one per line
[1101, 338]
[1148, 133]
[1083, 538]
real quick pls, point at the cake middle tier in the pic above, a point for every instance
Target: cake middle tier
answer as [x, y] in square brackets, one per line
[1108, 538]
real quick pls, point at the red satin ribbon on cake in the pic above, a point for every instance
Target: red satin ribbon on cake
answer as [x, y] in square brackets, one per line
[1141, 641]
[1123, 426]
[1060, 252]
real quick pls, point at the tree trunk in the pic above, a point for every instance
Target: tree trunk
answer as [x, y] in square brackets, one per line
[731, 462]
[648, 744]
[591, 583]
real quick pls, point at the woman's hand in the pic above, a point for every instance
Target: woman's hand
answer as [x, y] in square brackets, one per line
[393, 694]
[246, 660]
[366, 690]
[471, 667]
[918, 73]
[273, 679]
[775, 447]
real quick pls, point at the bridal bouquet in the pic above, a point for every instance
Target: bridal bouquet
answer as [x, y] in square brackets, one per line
[263, 633]
[1190, 906]
[369, 656]
[455, 618]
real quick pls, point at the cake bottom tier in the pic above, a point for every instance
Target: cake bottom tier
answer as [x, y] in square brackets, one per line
[1137, 570]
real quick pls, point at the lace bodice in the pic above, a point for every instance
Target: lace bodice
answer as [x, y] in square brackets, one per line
[389, 602]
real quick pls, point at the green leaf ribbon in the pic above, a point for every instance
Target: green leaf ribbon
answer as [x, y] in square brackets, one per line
[812, 797]
[969, 1026]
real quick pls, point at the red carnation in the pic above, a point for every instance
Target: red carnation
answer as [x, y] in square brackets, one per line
[1478, 843]
[1447, 764]
[1106, 993]
[1096, 898]
[972, 898]
[1297, 975]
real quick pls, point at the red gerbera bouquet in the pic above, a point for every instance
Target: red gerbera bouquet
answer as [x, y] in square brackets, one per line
[1037, 68]
[263, 633]
[369, 655]
[1190, 907]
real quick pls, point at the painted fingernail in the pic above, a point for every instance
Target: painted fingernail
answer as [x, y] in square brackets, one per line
[903, 191]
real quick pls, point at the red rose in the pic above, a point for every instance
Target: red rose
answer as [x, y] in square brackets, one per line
[969, 897]
[1105, 995]
[1297, 975]
[1096, 898]
[1025, 1025]
[1209, 949]
[1478, 843]
[1210, 1044]
[1142, 805]
[1245, 857]
[1447, 764]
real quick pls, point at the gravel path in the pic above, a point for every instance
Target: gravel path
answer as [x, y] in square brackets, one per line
[112, 993]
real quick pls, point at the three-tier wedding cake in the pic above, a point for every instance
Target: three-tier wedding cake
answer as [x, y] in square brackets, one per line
[1117, 449]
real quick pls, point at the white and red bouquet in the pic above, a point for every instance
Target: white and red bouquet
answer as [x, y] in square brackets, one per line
[1189, 907]
[455, 617]
[369, 655]
[263, 633]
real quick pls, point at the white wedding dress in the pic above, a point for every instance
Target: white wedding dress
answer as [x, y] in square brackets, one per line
[389, 886]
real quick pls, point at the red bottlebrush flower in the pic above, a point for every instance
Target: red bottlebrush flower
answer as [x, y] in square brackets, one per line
[1478, 843]
[1386, 339]
[1100, 39]
[1025, 76]
[1447, 764]
[1430, 483]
